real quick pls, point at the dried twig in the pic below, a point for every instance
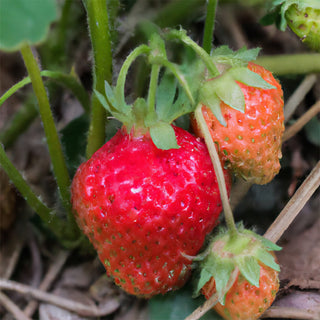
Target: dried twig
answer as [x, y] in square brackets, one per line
[291, 313]
[51, 275]
[68, 304]
[298, 95]
[295, 204]
[297, 126]
[37, 265]
[12, 307]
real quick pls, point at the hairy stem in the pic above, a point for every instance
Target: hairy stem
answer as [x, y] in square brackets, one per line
[67, 80]
[119, 91]
[54, 146]
[21, 120]
[286, 64]
[218, 170]
[153, 87]
[204, 56]
[98, 23]
[209, 25]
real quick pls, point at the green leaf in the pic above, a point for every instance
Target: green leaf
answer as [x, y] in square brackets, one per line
[267, 258]
[269, 18]
[250, 78]
[181, 106]
[249, 268]
[163, 136]
[25, 21]
[177, 306]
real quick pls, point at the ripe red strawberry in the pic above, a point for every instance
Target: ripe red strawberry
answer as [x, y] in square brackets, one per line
[150, 194]
[143, 207]
[249, 264]
[249, 142]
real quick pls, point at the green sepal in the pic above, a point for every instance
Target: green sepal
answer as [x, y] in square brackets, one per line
[267, 259]
[222, 273]
[220, 270]
[205, 276]
[249, 78]
[238, 58]
[249, 268]
[122, 117]
[267, 244]
[230, 92]
[212, 101]
[110, 94]
[166, 92]
[163, 136]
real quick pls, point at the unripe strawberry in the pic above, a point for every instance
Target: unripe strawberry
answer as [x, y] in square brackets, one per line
[242, 272]
[249, 141]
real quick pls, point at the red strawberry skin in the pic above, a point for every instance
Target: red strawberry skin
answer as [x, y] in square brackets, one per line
[243, 300]
[250, 144]
[142, 207]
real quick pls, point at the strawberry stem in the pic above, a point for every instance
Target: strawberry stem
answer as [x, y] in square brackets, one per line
[179, 76]
[153, 87]
[209, 25]
[218, 170]
[54, 146]
[98, 23]
[204, 56]
[119, 90]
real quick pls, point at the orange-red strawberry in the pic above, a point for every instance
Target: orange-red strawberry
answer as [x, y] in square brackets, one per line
[249, 142]
[240, 269]
[245, 301]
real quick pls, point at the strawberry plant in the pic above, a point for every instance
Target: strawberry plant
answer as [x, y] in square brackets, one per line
[152, 133]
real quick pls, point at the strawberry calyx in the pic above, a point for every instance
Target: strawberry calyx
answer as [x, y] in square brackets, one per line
[242, 252]
[225, 70]
[226, 86]
[166, 101]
